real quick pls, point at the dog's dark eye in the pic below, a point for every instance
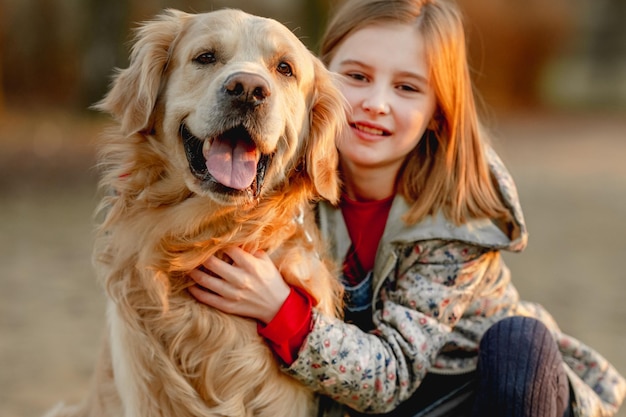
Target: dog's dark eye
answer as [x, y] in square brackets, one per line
[205, 58]
[285, 69]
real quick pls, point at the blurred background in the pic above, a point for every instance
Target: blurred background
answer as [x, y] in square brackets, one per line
[552, 80]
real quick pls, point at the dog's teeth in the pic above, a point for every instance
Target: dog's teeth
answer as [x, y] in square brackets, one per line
[205, 148]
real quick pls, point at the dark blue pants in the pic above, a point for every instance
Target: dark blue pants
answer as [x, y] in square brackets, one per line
[520, 374]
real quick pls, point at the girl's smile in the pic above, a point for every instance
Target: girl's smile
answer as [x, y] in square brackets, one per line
[369, 131]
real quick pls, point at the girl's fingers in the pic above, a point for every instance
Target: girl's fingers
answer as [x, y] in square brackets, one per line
[240, 257]
[210, 282]
[210, 299]
[222, 269]
[201, 278]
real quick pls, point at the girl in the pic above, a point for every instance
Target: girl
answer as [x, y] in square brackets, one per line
[432, 321]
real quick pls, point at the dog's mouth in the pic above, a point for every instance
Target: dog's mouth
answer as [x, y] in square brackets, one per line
[227, 163]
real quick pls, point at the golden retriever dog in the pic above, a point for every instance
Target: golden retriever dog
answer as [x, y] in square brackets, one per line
[224, 135]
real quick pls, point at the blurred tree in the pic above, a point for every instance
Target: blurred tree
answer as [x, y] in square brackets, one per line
[2, 35]
[40, 56]
[510, 44]
[608, 38]
[606, 53]
[315, 17]
[103, 47]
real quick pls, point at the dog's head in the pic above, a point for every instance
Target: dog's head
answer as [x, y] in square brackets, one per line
[240, 103]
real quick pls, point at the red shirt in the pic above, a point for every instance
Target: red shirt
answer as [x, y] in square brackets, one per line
[365, 222]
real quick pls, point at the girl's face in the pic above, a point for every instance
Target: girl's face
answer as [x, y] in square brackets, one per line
[385, 80]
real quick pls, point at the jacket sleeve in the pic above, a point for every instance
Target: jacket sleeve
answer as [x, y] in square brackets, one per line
[374, 372]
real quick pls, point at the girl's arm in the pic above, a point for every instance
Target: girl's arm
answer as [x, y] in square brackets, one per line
[416, 310]
[370, 372]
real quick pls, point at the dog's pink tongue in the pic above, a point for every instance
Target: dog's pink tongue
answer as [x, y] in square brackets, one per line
[232, 163]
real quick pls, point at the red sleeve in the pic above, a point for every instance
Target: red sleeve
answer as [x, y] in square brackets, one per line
[291, 325]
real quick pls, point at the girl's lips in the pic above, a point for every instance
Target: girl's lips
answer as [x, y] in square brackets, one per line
[367, 130]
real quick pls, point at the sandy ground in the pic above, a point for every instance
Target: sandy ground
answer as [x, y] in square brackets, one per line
[571, 174]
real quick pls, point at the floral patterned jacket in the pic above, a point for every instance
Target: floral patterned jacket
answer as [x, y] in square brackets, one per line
[437, 288]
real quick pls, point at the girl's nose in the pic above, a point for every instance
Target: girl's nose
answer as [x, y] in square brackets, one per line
[376, 103]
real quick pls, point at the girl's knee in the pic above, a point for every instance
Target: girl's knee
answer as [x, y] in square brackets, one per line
[519, 334]
[519, 356]
[518, 327]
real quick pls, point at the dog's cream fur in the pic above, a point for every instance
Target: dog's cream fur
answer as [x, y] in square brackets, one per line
[196, 76]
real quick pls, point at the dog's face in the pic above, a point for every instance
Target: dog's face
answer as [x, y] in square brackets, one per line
[240, 101]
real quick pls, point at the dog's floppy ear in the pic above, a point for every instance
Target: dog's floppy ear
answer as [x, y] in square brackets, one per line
[134, 91]
[327, 118]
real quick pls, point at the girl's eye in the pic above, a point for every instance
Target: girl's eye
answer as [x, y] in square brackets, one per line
[408, 88]
[285, 69]
[205, 58]
[356, 76]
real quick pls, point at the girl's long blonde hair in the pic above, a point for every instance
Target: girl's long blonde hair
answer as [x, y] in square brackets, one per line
[447, 171]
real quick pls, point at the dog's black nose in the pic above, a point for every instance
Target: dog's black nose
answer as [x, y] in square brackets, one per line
[247, 87]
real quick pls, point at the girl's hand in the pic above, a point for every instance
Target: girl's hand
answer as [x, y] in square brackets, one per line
[250, 287]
